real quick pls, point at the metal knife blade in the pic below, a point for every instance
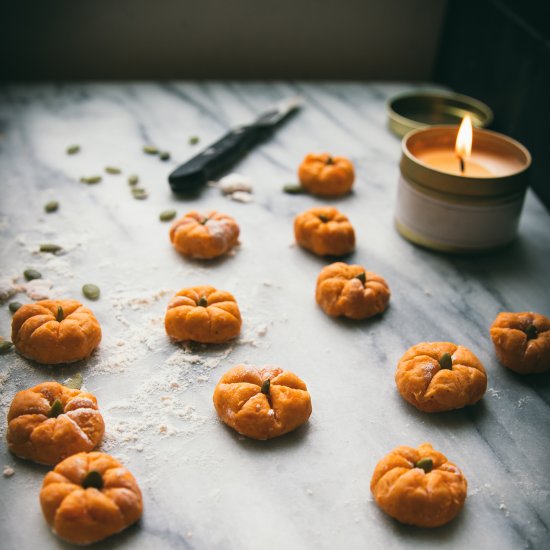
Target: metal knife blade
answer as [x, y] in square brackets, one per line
[216, 159]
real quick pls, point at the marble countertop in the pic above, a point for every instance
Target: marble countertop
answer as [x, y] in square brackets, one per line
[203, 485]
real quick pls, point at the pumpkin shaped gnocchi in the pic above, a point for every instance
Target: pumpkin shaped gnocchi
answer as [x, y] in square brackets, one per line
[204, 236]
[351, 291]
[89, 497]
[55, 331]
[522, 341]
[324, 231]
[323, 174]
[203, 314]
[262, 403]
[440, 376]
[419, 486]
[50, 422]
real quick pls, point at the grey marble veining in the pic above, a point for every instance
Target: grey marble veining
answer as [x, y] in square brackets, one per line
[203, 486]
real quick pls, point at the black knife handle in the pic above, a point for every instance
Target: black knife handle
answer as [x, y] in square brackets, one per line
[216, 159]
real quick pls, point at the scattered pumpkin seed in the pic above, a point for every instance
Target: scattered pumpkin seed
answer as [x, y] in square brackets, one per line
[323, 218]
[56, 409]
[203, 302]
[426, 464]
[92, 479]
[150, 150]
[50, 248]
[31, 274]
[266, 385]
[167, 215]
[531, 332]
[446, 361]
[60, 315]
[193, 140]
[112, 170]
[51, 206]
[139, 193]
[91, 291]
[73, 149]
[5, 346]
[164, 155]
[14, 306]
[293, 189]
[75, 382]
[133, 179]
[90, 179]
[362, 277]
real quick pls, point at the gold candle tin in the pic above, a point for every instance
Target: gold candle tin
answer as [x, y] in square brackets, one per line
[413, 110]
[459, 213]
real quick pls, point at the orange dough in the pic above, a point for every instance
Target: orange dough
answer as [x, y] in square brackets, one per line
[323, 174]
[427, 496]
[248, 403]
[440, 376]
[55, 331]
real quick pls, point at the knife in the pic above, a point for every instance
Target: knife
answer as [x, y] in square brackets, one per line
[227, 151]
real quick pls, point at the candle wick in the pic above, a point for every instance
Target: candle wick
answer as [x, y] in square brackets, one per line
[462, 165]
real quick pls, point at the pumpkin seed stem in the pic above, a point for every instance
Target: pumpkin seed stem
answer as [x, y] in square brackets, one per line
[266, 386]
[60, 315]
[531, 332]
[203, 302]
[323, 218]
[92, 479]
[426, 464]
[446, 361]
[56, 409]
[330, 160]
[203, 222]
[362, 277]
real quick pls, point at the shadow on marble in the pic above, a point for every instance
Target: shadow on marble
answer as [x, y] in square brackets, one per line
[276, 444]
[411, 534]
[456, 419]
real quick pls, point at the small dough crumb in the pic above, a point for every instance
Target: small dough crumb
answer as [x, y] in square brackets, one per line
[8, 471]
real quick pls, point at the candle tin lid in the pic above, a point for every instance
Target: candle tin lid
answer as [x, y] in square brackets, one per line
[413, 110]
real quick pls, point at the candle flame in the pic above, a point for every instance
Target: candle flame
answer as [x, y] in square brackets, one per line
[463, 146]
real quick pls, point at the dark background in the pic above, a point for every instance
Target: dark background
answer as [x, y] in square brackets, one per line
[495, 50]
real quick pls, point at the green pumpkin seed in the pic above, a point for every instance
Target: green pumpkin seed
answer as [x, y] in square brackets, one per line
[5, 346]
[92, 479]
[362, 277]
[73, 149]
[31, 274]
[150, 150]
[50, 248]
[193, 140]
[426, 464]
[91, 291]
[531, 332]
[51, 206]
[164, 155]
[56, 409]
[60, 315]
[323, 218]
[446, 361]
[112, 170]
[133, 179]
[90, 179]
[139, 193]
[167, 215]
[14, 306]
[203, 302]
[266, 386]
[293, 189]
[75, 383]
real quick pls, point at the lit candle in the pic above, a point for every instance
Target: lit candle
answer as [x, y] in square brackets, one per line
[460, 191]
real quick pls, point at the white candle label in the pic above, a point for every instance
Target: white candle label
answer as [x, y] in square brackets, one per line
[454, 224]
